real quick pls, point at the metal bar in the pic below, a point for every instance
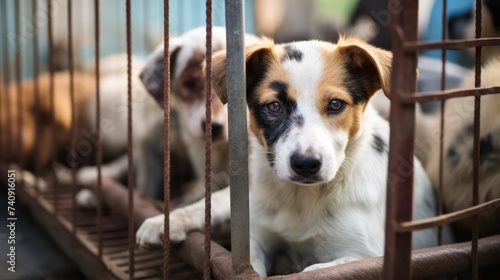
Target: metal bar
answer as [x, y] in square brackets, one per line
[18, 73]
[6, 74]
[413, 46]
[52, 99]
[166, 136]
[441, 134]
[477, 127]
[448, 218]
[397, 256]
[36, 72]
[238, 141]
[131, 225]
[208, 139]
[448, 94]
[71, 67]
[98, 122]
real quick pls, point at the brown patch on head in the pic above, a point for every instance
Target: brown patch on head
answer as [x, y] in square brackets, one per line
[190, 85]
[353, 72]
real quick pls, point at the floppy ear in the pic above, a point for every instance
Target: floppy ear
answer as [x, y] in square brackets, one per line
[256, 57]
[152, 74]
[368, 64]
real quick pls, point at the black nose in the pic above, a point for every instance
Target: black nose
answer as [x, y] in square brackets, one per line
[217, 129]
[305, 165]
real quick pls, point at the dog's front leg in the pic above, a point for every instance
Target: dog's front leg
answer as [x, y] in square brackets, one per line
[184, 220]
[332, 263]
[258, 258]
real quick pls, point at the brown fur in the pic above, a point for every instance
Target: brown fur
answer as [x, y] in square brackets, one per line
[43, 145]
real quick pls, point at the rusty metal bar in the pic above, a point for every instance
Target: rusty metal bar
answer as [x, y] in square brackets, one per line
[6, 73]
[397, 256]
[448, 218]
[477, 127]
[98, 122]
[71, 67]
[18, 73]
[238, 141]
[448, 94]
[208, 140]
[166, 136]
[443, 103]
[52, 98]
[413, 46]
[131, 225]
[36, 72]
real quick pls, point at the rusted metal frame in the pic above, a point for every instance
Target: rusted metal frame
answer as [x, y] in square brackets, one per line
[208, 140]
[52, 99]
[19, 88]
[36, 72]
[73, 132]
[6, 74]
[448, 94]
[130, 182]
[98, 122]
[448, 218]
[441, 133]
[166, 137]
[397, 255]
[238, 139]
[60, 231]
[412, 46]
[476, 149]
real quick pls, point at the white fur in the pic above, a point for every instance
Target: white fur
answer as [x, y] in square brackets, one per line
[337, 220]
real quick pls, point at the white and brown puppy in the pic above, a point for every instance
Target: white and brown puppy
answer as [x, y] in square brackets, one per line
[187, 54]
[458, 152]
[318, 157]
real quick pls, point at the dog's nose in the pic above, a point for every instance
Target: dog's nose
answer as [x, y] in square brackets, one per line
[217, 129]
[305, 165]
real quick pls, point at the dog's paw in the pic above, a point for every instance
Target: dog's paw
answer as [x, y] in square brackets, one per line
[86, 199]
[150, 233]
[329, 264]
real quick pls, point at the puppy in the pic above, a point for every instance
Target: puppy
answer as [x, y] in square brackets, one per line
[458, 150]
[39, 150]
[187, 53]
[319, 156]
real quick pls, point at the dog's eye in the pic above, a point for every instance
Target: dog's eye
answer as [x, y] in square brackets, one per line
[336, 105]
[189, 84]
[274, 107]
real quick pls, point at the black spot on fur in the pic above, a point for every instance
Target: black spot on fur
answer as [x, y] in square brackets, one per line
[275, 125]
[486, 147]
[453, 157]
[379, 144]
[354, 84]
[271, 157]
[292, 53]
[494, 7]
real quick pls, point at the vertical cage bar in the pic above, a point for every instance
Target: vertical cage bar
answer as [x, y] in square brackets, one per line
[477, 127]
[19, 91]
[166, 136]
[238, 141]
[131, 226]
[443, 103]
[6, 74]
[208, 139]
[73, 113]
[98, 122]
[397, 257]
[52, 100]
[36, 72]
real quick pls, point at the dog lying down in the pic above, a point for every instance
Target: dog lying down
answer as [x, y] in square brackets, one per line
[319, 156]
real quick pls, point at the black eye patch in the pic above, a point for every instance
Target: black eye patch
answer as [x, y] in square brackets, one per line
[276, 125]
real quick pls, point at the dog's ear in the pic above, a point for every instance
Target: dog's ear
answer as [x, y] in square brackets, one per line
[152, 74]
[368, 64]
[257, 56]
